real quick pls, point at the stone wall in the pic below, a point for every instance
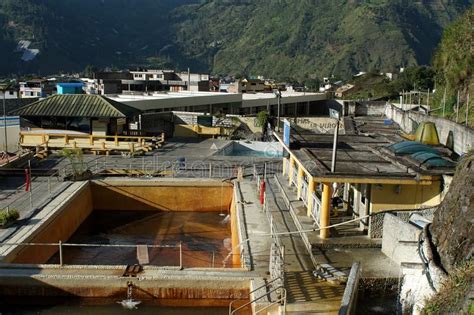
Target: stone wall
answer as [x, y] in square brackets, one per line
[376, 229]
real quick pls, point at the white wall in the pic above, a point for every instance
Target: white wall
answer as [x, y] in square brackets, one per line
[13, 133]
[9, 95]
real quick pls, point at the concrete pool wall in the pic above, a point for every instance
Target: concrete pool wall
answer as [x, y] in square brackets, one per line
[62, 217]
[162, 195]
[57, 221]
[25, 273]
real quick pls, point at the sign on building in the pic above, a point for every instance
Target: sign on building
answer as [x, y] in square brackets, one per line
[286, 132]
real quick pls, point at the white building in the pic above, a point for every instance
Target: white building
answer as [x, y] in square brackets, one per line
[11, 93]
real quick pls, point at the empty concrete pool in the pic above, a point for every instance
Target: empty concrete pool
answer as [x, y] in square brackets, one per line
[205, 238]
[173, 242]
[159, 223]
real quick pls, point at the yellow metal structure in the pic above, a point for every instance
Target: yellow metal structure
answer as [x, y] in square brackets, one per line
[45, 141]
[199, 130]
[427, 133]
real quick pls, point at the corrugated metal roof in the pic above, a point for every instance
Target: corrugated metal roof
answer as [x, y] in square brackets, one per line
[81, 105]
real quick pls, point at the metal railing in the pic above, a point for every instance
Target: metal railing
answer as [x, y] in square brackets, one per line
[277, 250]
[304, 192]
[280, 300]
[265, 285]
[179, 169]
[316, 211]
[276, 260]
[61, 246]
[41, 191]
[287, 165]
[294, 176]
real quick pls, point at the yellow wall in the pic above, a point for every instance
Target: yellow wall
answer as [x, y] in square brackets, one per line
[184, 131]
[235, 235]
[166, 198]
[409, 197]
[198, 130]
[59, 229]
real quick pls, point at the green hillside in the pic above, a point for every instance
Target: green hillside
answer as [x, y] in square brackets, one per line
[276, 38]
[288, 38]
[454, 63]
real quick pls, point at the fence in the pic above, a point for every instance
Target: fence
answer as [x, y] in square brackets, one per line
[180, 168]
[316, 211]
[294, 177]
[41, 191]
[304, 192]
[277, 250]
[170, 255]
[276, 266]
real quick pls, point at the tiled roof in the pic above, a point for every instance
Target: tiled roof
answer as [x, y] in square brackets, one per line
[81, 105]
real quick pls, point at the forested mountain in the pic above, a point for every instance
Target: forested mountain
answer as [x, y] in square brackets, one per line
[71, 34]
[278, 38]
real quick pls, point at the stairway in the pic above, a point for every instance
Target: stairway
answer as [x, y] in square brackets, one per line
[311, 289]
[323, 271]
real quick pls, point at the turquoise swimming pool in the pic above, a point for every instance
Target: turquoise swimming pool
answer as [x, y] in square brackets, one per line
[253, 149]
[244, 152]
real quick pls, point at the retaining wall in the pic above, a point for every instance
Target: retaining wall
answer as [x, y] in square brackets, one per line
[164, 196]
[408, 121]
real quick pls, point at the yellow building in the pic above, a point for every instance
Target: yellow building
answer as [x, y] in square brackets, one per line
[375, 170]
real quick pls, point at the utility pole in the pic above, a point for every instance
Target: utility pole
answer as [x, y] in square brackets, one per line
[457, 109]
[467, 109]
[189, 79]
[5, 118]
[444, 102]
[278, 96]
[334, 114]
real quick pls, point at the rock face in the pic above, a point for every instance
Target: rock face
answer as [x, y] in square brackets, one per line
[451, 231]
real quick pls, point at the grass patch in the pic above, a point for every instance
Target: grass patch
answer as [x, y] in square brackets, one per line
[7, 217]
[453, 296]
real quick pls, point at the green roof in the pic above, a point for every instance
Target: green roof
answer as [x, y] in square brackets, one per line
[82, 105]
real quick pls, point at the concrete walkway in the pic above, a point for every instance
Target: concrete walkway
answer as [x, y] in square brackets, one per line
[44, 189]
[257, 224]
[345, 246]
[305, 293]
